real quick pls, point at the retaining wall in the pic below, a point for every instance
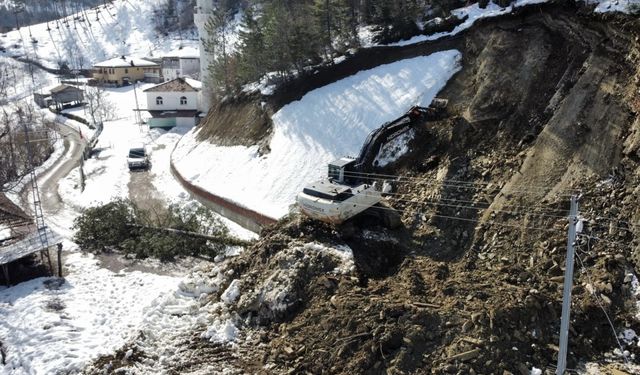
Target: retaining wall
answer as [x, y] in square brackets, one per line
[245, 217]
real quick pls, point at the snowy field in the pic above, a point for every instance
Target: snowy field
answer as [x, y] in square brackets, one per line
[325, 124]
[48, 328]
[123, 27]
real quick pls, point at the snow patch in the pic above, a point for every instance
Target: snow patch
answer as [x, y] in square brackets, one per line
[231, 294]
[472, 13]
[395, 149]
[327, 123]
[221, 331]
[623, 6]
[53, 325]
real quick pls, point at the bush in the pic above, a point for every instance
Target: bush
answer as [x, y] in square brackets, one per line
[121, 225]
[104, 228]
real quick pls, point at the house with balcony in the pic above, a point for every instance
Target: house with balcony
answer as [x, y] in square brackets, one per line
[174, 103]
[123, 70]
[184, 62]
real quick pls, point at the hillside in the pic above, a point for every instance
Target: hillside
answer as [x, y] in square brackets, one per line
[472, 281]
[114, 28]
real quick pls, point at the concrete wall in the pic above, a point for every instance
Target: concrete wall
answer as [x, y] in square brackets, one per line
[186, 121]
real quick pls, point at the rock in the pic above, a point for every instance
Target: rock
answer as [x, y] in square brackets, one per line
[466, 327]
[464, 356]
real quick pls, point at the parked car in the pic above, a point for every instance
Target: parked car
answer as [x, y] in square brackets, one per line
[138, 158]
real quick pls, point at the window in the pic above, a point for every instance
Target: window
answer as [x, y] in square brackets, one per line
[183, 100]
[159, 100]
[126, 70]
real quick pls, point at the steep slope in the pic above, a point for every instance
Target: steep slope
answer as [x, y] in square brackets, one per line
[121, 27]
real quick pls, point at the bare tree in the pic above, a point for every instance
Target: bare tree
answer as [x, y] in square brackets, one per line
[14, 149]
[99, 107]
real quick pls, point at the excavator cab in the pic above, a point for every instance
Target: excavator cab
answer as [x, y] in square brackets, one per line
[339, 170]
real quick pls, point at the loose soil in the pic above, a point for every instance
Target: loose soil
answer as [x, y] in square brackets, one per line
[546, 105]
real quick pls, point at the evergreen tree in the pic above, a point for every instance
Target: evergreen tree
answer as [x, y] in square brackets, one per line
[253, 57]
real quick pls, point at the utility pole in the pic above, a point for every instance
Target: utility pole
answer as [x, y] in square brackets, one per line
[137, 110]
[566, 289]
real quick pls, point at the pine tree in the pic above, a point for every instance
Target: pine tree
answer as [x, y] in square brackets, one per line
[253, 60]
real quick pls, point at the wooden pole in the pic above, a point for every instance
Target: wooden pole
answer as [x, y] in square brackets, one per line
[49, 261]
[60, 259]
[228, 241]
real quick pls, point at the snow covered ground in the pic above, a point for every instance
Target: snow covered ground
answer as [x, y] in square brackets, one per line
[325, 124]
[123, 27]
[107, 175]
[624, 6]
[48, 327]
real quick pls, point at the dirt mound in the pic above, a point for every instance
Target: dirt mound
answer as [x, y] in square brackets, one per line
[243, 120]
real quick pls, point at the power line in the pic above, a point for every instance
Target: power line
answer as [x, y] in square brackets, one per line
[542, 213]
[450, 182]
[492, 222]
[426, 201]
[445, 183]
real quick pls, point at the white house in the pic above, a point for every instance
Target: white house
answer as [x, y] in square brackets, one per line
[183, 62]
[174, 103]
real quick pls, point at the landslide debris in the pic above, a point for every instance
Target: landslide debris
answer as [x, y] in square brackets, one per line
[546, 104]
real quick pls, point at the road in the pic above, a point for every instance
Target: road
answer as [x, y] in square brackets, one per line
[48, 180]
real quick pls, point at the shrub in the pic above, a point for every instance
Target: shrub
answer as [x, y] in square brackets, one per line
[104, 227]
[123, 226]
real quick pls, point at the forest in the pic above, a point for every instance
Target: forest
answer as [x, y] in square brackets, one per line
[286, 37]
[29, 12]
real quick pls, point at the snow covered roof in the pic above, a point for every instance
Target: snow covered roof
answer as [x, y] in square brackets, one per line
[177, 85]
[193, 83]
[123, 62]
[63, 87]
[28, 245]
[185, 53]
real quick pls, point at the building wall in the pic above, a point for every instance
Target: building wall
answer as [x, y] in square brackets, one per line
[171, 101]
[68, 96]
[183, 67]
[117, 75]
